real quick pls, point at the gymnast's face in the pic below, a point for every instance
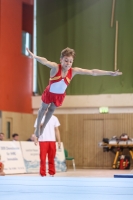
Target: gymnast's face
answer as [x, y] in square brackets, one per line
[66, 62]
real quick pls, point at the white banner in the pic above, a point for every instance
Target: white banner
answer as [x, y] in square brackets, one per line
[31, 153]
[60, 161]
[32, 159]
[11, 157]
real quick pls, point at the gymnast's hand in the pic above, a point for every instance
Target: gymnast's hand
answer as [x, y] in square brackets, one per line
[116, 73]
[31, 54]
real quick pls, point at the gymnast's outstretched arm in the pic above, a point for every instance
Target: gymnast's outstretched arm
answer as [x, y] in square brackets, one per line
[94, 72]
[43, 60]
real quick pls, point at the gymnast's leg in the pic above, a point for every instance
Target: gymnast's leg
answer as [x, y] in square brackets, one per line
[48, 115]
[41, 112]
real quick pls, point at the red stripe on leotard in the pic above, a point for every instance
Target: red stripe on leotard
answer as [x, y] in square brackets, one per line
[58, 76]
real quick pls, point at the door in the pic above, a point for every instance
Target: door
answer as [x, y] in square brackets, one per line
[93, 134]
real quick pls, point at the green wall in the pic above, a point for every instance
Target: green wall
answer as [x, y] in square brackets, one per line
[85, 26]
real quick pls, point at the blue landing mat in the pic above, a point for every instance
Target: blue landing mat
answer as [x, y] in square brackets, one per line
[65, 188]
[123, 176]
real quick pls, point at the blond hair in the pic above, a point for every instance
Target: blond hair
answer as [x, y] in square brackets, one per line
[67, 52]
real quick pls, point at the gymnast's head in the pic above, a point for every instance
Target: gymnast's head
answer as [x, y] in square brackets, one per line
[67, 52]
[67, 58]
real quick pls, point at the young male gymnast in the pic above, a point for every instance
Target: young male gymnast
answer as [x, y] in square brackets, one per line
[60, 77]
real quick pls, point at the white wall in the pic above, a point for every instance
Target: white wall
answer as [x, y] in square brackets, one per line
[117, 103]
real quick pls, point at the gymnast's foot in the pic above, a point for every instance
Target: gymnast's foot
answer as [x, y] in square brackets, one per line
[36, 141]
[42, 129]
[37, 132]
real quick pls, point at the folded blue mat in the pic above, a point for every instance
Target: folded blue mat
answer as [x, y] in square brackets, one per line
[123, 176]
